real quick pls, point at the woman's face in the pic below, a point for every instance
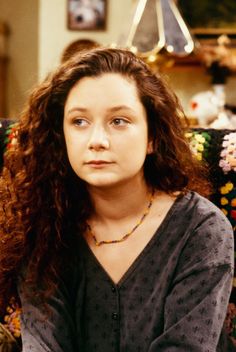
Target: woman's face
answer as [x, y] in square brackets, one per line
[106, 132]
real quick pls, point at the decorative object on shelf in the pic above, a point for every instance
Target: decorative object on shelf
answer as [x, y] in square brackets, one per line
[209, 106]
[218, 59]
[87, 14]
[223, 118]
[158, 26]
[204, 107]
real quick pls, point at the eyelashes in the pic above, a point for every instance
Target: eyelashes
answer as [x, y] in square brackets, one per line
[116, 122]
[119, 121]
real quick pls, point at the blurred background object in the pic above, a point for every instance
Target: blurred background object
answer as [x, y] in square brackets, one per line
[87, 14]
[78, 46]
[209, 107]
[4, 35]
[157, 25]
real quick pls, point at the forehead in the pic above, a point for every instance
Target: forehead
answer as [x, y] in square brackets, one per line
[108, 87]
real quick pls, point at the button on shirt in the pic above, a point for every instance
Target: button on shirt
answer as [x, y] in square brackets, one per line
[172, 298]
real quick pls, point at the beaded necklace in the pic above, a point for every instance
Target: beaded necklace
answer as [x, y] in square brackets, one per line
[123, 238]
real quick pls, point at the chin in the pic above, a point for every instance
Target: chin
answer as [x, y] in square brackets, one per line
[109, 180]
[101, 184]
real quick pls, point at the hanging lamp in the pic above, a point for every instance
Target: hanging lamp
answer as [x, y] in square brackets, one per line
[158, 26]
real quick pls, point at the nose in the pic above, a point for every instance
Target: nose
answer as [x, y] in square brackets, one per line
[98, 139]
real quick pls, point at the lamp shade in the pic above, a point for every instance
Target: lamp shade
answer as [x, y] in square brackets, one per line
[158, 25]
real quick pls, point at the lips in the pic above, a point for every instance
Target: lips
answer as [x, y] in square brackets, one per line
[98, 162]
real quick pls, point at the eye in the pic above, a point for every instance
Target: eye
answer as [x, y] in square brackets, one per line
[118, 121]
[81, 122]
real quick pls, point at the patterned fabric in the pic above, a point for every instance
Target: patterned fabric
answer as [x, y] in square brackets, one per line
[199, 143]
[157, 304]
[228, 153]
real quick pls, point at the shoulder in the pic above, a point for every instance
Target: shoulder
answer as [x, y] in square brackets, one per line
[210, 234]
[195, 218]
[202, 210]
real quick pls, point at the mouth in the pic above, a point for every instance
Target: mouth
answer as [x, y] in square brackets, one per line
[98, 163]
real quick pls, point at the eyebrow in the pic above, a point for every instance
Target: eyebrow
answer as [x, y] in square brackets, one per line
[76, 109]
[120, 107]
[113, 109]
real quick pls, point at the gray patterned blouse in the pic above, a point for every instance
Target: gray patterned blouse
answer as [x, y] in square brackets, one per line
[173, 298]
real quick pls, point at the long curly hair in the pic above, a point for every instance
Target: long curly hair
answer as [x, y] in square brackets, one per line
[44, 205]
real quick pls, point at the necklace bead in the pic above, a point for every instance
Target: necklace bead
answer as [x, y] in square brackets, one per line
[124, 237]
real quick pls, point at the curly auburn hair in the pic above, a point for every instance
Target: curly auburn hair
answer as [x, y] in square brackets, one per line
[44, 205]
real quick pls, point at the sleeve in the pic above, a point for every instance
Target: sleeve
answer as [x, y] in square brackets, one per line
[196, 304]
[52, 330]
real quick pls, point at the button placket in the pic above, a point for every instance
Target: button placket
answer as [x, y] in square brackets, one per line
[115, 310]
[115, 316]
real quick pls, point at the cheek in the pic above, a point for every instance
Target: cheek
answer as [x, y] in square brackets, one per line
[74, 152]
[134, 151]
[74, 142]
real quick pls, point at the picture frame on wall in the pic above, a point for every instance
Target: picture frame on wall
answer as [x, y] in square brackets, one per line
[209, 18]
[83, 15]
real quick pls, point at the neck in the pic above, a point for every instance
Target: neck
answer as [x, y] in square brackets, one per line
[116, 203]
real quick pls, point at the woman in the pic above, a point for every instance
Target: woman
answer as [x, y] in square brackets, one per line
[103, 236]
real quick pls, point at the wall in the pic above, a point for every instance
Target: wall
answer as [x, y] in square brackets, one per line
[54, 35]
[22, 18]
[39, 34]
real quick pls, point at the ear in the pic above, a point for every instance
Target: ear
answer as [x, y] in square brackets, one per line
[150, 147]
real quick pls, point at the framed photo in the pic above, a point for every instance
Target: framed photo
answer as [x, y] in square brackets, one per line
[87, 14]
[209, 18]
